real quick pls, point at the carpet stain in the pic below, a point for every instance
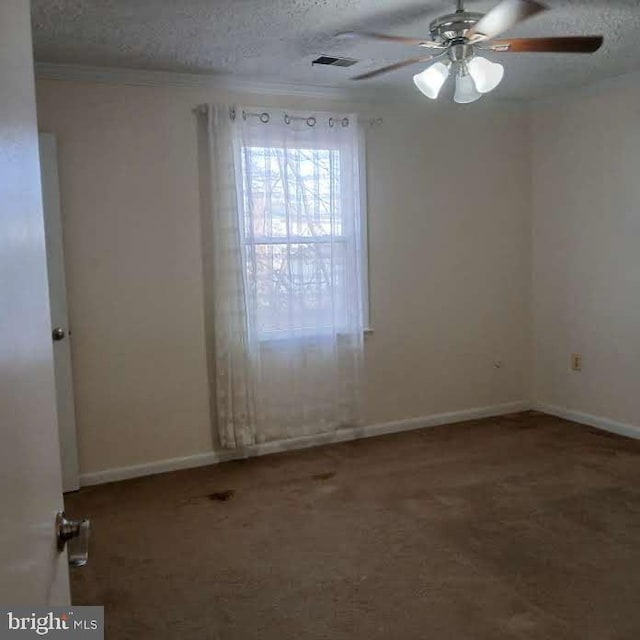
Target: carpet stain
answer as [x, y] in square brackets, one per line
[324, 476]
[221, 496]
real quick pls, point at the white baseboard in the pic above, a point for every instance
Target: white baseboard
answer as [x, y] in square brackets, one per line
[342, 435]
[621, 428]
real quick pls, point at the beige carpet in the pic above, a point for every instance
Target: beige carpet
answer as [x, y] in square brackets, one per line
[525, 526]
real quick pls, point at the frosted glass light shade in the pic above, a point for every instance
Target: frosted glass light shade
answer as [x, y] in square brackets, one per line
[430, 80]
[465, 89]
[487, 75]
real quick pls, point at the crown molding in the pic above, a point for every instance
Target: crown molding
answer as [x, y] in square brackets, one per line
[147, 78]
[407, 99]
[621, 82]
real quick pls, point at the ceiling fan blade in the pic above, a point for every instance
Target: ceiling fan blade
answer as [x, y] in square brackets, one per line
[502, 17]
[568, 44]
[389, 38]
[393, 67]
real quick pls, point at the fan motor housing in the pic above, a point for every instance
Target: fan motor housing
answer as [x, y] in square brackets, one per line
[460, 52]
[454, 26]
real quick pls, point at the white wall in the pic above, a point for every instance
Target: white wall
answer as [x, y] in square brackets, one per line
[449, 225]
[586, 239]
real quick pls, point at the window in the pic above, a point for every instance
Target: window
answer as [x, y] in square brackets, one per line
[304, 235]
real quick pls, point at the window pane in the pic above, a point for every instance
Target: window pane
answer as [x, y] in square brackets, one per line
[292, 192]
[297, 246]
[299, 287]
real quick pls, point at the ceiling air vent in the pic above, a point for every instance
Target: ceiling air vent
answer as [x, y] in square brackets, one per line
[334, 62]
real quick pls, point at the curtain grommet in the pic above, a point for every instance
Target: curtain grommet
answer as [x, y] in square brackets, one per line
[311, 121]
[345, 122]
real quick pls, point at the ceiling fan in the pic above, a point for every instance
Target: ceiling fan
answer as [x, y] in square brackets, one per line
[457, 38]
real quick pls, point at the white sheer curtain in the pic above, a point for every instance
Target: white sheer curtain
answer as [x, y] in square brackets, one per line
[287, 285]
[234, 391]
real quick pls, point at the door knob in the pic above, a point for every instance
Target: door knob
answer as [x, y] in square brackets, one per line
[57, 334]
[74, 534]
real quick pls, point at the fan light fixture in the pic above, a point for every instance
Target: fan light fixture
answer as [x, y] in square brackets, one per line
[456, 39]
[431, 80]
[465, 87]
[486, 75]
[473, 78]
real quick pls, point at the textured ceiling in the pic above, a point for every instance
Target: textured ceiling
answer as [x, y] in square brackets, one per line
[275, 40]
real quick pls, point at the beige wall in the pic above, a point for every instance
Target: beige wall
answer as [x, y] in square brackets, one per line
[449, 226]
[586, 239]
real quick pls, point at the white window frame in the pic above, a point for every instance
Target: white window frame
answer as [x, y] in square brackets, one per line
[361, 153]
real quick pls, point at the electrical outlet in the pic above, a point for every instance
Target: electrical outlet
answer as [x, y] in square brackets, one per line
[576, 362]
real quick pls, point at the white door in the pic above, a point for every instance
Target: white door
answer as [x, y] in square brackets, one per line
[60, 333]
[32, 572]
